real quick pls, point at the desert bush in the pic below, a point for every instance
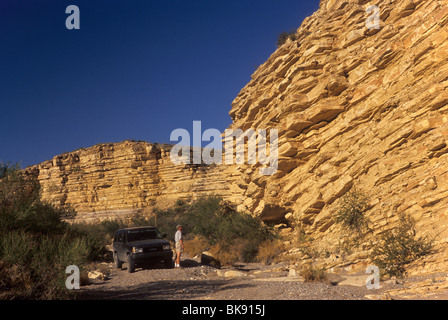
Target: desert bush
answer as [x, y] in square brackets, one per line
[229, 253]
[351, 211]
[207, 217]
[196, 246]
[269, 251]
[312, 273]
[21, 207]
[166, 220]
[36, 264]
[139, 220]
[399, 247]
[36, 245]
[284, 36]
[235, 235]
[16, 247]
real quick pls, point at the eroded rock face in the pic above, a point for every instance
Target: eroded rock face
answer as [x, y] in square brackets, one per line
[355, 107]
[116, 179]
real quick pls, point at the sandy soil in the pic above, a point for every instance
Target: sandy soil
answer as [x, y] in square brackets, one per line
[197, 282]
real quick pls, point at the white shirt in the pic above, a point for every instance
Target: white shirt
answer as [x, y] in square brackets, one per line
[178, 236]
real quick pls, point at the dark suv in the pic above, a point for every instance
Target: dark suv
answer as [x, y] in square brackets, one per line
[138, 246]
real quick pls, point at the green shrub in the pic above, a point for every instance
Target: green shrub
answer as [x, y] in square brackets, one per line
[351, 212]
[110, 226]
[399, 247]
[16, 247]
[167, 220]
[36, 245]
[37, 264]
[229, 229]
[208, 218]
[21, 207]
[284, 36]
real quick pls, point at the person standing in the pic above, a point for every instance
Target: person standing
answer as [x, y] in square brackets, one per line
[179, 245]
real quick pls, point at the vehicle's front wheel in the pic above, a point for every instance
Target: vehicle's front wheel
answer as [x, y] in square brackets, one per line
[117, 263]
[131, 264]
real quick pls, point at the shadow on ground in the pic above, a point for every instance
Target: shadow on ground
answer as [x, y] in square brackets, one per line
[187, 263]
[163, 290]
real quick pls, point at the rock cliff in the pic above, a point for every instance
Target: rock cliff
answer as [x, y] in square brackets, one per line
[354, 107]
[117, 179]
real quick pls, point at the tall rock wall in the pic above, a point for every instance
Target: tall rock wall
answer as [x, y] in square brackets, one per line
[355, 107]
[116, 179]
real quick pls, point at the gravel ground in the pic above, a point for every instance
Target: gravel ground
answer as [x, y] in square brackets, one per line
[196, 282]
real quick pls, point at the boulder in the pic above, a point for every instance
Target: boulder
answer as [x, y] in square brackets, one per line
[209, 259]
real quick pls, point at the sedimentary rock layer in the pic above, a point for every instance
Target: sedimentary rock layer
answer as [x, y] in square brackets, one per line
[355, 107]
[120, 178]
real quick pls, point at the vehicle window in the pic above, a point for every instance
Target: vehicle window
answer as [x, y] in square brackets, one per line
[120, 236]
[141, 235]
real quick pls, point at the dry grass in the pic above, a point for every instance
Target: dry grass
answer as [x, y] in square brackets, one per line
[196, 246]
[312, 273]
[228, 254]
[269, 251]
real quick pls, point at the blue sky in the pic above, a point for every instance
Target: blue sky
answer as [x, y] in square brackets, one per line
[136, 69]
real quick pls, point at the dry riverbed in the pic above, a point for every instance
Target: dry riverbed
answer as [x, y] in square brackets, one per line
[250, 281]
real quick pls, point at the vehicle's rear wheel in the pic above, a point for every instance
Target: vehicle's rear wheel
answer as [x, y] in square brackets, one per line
[117, 263]
[131, 264]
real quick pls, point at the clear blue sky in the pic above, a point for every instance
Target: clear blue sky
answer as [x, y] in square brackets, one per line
[136, 69]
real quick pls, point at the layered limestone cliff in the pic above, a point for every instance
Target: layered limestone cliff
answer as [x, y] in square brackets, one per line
[355, 107]
[117, 179]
